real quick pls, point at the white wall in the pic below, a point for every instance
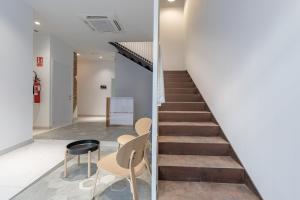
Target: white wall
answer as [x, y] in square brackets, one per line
[41, 111]
[132, 80]
[92, 74]
[244, 58]
[56, 54]
[172, 37]
[15, 73]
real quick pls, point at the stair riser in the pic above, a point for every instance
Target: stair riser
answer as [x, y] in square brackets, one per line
[183, 98]
[181, 91]
[179, 79]
[176, 72]
[179, 85]
[193, 149]
[183, 107]
[188, 130]
[176, 76]
[220, 175]
[185, 117]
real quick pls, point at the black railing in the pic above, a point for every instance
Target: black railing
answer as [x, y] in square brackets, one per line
[147, 64]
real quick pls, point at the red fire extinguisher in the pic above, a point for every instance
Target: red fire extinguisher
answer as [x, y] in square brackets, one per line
[36, 89]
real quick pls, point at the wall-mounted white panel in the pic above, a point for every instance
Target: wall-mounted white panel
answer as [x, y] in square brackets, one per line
[121, 110]
[61, 83]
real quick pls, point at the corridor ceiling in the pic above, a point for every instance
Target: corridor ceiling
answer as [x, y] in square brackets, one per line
[61, 18]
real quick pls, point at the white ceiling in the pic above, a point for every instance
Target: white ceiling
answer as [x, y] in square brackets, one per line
[61, 19]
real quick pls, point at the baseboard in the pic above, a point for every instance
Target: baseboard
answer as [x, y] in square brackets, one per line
[16, 146]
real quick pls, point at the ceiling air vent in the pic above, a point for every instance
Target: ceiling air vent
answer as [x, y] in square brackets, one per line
[102, 24]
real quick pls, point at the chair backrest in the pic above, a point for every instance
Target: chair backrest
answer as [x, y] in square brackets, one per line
[143, 126]
[136, 145]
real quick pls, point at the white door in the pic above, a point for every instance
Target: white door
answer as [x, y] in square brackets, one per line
[62, 90]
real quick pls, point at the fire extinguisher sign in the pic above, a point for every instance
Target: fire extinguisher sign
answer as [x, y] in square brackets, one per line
[39, 61]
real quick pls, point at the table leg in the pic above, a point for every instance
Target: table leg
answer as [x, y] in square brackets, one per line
[66, 160]
[89, 164]
[78, 159]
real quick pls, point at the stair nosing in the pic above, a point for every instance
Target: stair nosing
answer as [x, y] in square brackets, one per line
[186, 102]
[184, 112]
[167, 123]
[194, 140]
[188, 164]
[190, 189]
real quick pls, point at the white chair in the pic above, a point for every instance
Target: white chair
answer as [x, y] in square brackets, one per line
[142, 126]
[128, 163]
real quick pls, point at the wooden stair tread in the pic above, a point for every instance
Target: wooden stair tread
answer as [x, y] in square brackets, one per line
[198, 161]
[178, 80]
[180, 111]
[184, 102]
[175, 71]
[188, 124]
[192, 139]
[178, 94]
[179, 83]
[181, 190]
[192, 90]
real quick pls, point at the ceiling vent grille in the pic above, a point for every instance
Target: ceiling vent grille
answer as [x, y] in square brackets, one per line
[102, 24]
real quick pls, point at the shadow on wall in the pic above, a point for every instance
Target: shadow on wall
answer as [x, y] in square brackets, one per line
[132, 80]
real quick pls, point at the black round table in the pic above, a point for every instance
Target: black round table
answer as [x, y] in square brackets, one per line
[81, 147]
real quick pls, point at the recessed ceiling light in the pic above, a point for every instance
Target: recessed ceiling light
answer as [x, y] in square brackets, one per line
[100, 57]
[78, 54]
[37, 23]
[171, 1]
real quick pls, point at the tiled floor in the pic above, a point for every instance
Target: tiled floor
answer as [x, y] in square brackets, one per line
[23, 166]
[38, 131]
[87, 128]
[76, 186]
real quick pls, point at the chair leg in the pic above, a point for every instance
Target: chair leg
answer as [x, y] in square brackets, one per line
[95, 183]
[133, 178]
[146, 158]
[65, 164]
[147, 166]
[133, 188]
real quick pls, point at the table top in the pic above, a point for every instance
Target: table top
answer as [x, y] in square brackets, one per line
[82, 146]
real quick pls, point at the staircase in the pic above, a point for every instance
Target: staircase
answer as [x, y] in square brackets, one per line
[195, 161]
[136, 54]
